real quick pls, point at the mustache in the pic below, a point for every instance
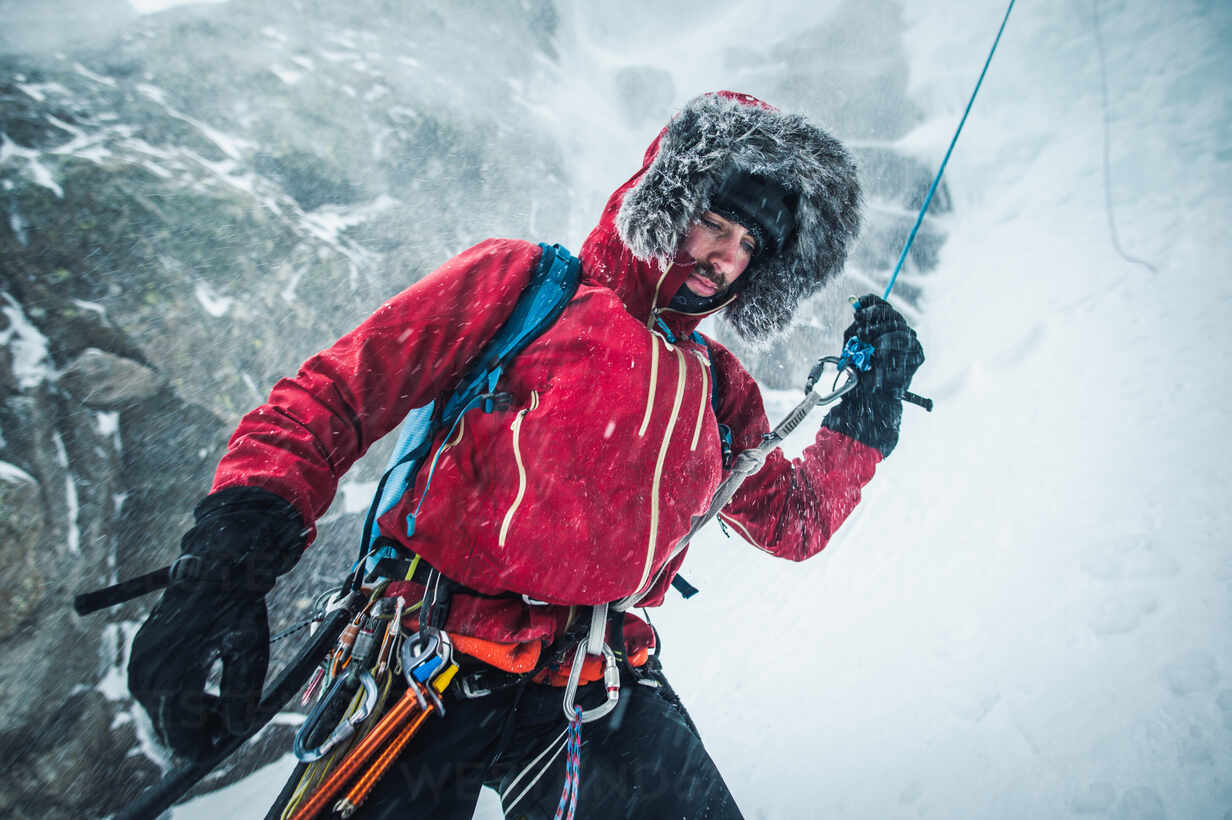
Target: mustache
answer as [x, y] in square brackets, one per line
[709, 274]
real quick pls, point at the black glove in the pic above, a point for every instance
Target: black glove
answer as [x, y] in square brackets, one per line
[872, 411]
[214, 608]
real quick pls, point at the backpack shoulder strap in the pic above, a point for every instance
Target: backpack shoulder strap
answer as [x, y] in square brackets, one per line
[552, 285]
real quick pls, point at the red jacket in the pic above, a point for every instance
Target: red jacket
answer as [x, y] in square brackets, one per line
[577, 494]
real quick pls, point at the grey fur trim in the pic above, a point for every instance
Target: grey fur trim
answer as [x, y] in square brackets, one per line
[714, 135]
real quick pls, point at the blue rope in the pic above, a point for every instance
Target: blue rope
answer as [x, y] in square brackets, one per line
[902, 258]
[566, 809]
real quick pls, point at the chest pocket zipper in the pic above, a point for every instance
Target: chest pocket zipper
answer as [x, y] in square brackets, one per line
[516, 427]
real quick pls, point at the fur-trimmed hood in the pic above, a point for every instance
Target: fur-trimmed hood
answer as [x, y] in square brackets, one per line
[712, 136]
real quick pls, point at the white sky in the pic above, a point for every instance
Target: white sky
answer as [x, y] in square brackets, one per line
[151, 6]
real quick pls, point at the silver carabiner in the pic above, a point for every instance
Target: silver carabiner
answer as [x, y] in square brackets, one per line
[412, 656]
[435, 645]
[837, 390]
[611, 682]
[346, 728]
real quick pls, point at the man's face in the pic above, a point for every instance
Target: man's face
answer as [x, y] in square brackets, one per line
[721, 251]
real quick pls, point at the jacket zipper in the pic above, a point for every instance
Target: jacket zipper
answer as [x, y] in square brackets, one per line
[682, 365]
[654, 380]
[701, 407]
[516, 427]
[654, 300]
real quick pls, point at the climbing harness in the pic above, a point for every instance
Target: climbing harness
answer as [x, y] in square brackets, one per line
[349, 740]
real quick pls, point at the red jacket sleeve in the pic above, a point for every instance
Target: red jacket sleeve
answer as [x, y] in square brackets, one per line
[414, 347]
[788, 508]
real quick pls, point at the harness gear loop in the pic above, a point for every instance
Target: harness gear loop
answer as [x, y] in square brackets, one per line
[403, 720]
[426, 661]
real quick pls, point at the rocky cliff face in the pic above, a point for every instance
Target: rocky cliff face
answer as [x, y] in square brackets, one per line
[192, 207]
[193, 202]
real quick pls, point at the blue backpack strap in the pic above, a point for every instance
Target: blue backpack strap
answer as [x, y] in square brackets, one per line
[552, 285]
[414, 439]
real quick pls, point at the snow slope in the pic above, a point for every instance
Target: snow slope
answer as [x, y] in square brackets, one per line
[1028, 615]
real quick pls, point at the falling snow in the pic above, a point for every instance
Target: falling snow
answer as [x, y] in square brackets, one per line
[1027, 614]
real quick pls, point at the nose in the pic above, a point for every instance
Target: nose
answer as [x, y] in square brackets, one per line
[727, 257]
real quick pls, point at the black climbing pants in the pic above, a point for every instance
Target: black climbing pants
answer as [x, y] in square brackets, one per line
[643, 760]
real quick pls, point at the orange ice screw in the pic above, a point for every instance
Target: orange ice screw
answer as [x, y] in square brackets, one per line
[390, 728]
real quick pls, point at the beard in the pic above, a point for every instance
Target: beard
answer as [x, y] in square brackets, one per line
[708, 273]
[686, 301]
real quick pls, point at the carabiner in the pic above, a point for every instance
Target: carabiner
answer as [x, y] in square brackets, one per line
[342, 691]
[836, 389]
[419, 650]
[393, 634]
[424, 657]
[611, 682]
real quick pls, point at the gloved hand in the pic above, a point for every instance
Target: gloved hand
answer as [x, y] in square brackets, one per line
[872, 412]
[214, 608]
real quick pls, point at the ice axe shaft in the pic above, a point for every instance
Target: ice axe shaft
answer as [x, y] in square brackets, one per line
[88, 602]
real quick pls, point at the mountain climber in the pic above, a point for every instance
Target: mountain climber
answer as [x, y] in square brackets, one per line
[574, 495]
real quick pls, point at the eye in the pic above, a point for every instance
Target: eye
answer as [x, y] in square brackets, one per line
[750, 247]
[711, 224]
